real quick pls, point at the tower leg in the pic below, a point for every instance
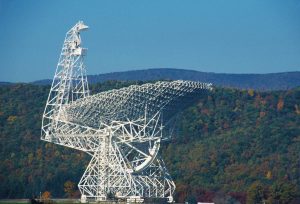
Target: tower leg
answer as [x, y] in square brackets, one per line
[106, 175]
[83, 199]
[156, 181]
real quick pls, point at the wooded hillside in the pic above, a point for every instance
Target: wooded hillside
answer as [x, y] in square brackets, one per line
[232, 145]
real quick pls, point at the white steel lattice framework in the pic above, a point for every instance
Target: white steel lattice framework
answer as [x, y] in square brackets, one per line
[121, 129]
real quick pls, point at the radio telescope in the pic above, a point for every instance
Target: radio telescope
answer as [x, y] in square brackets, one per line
[121, 129]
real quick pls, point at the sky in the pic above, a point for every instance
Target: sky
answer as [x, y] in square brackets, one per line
[222, 36]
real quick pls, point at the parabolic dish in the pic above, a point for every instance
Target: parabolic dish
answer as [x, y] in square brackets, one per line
[131, 102]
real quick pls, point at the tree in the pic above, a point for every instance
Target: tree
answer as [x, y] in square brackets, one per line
[221, 197]
[282, 192]
[46, 195]
[255, 193]
[280, 104]
[269, 175]
[69, 188]
[251, 92]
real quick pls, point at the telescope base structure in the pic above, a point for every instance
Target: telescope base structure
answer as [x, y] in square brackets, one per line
[108, 177]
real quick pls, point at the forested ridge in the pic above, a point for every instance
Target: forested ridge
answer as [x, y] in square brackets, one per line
[271, 81]
[232, 146]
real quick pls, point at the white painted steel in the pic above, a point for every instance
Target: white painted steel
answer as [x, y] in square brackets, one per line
[121, 129]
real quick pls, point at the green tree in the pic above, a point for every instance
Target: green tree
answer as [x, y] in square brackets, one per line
[282, 192]
[69, 188]
[255, 194]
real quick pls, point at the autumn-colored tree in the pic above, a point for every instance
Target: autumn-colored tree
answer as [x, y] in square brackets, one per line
[269, 175]
[46, 195]
[239, 196]
[251, 92]
[280, 104]
[221, 197]
[69, 188]
[262, 114]
[297, 109]
[12, 118]
[181, 192]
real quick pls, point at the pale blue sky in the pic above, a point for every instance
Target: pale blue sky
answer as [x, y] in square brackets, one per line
[229, 36]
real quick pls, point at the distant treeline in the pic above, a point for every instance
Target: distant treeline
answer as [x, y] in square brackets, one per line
[273, 81]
